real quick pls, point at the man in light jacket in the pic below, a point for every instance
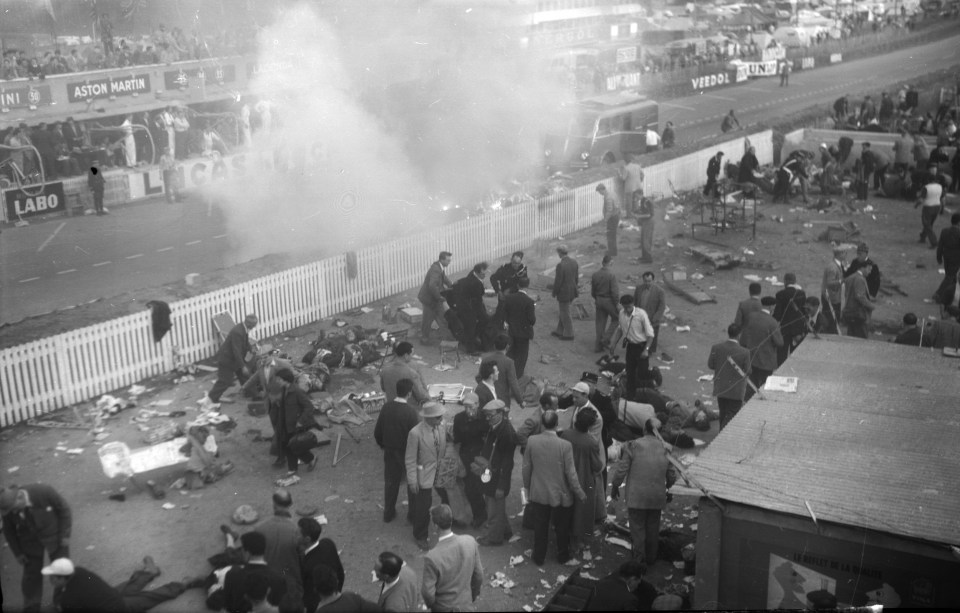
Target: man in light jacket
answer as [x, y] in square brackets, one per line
[426, 444]
[551, 486]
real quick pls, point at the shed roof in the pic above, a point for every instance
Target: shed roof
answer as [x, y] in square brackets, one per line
[871, 439]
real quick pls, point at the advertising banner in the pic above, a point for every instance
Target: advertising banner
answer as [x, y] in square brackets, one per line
[24, 96]
[773, 53]
[182, 79]
[807, 63]
[93, 89]
[761, 69]
[19, 204]
[146, 183]
[625, 55]
[836, 57]
[713, 80]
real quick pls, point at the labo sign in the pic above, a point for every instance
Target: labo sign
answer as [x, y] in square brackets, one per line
[713, 80]
[20, 204]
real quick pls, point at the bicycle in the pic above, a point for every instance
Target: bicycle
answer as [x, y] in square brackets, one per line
[12, 175]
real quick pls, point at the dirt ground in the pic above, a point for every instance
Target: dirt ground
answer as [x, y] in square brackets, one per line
[112, 537]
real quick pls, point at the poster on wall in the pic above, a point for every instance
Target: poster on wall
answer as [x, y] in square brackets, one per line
[794, 586]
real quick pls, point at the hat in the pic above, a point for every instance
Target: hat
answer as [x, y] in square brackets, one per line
[432, 409]
[61, 567]
[581, 387]
[470, 398]
[494, 405]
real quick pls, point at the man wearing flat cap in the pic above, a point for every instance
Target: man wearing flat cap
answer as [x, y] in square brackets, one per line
[470, 427]
[426, 444]
[36, 519]
[499, 445]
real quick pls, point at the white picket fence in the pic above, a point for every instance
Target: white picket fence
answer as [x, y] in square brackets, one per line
[76, 366]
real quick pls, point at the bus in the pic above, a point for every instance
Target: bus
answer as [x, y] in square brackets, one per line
[604, 129]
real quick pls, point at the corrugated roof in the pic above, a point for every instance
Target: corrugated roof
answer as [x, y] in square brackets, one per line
[870, 439]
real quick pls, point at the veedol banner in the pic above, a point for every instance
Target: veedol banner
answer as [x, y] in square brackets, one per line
[712, 80]
[761, 69]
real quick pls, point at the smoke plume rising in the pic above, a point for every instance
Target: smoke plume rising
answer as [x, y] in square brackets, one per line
[380, 113]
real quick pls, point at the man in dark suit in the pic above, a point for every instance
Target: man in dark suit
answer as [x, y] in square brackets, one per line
[231, 361]
[36, 519]
[761, 336]
[291, 412]
[470, 427]
[605, 292]
[506, 281]
[253, 545]
[551, 486]
[651, 298]
[486, 389]
[858, 304]
[624, 590]
[506, 384]
[282, 551]
[520, 315]
[397, 418]
[499, 446]
[749, 305]
[790, 312]
[565, 290]
[872, 275]
[728, 384]
[431, 298]
[948, 247]
[468, 302]
[399, 368]
[316, 551]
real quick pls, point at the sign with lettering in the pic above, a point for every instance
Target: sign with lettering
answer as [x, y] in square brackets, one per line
[807, 63]
[145, 184]
[624, 80]
[182, 79]
[104, 88]
[49, 199]
[773, 53]
[625, 55]
[256, 68]
[761, 69]
[741, 73]
[24, 96]
[711, 80]
[836, 57]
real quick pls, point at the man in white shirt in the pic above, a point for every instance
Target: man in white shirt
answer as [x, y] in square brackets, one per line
[653, 140]
[636, 329]
[931, 201]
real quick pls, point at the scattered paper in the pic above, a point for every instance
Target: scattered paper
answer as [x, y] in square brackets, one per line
[754, 278]
[707, 378]
[776, 383]
[546, 584]
[332, 497]
[13, 469]
[162, 403]
[366, 310]
[514, 538]
[321, 519]
[619, 542]
[682, 347]
[348, 500]
[89, 547]
[169, 506]
[75, 451]
[515, 560]
[683, 328]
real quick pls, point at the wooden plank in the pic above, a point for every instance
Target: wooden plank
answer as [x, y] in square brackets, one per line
[686, 288]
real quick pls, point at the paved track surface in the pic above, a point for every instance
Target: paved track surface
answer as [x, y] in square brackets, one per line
[68, 261]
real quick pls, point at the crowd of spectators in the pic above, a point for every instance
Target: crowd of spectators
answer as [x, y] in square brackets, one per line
[163, 46]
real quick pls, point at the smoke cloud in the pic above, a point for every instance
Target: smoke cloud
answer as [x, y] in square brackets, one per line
[381, 113]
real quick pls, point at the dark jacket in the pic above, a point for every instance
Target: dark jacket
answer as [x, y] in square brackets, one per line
[235, 583]
[499, 446]
[324, 553]
[714, 167]
[873, 279]
[234, 349]
[565, 280]
[506, 384]
[948, 247]
[394, 423]
[506, 278]
[789, 311]
[95, 180]
[434, 283]
[520, 315]
[857, 305]
[727, 382]
[469, 435]
[748, 165]
[468, 296]
[294, 411]
[48, 519]
[762, 336]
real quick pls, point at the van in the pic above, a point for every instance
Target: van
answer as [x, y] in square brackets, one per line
[603, 131]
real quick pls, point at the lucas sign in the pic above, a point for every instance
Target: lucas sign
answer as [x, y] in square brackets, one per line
[19, 204]
[708, 81]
